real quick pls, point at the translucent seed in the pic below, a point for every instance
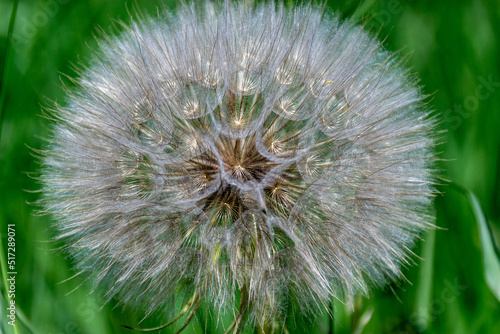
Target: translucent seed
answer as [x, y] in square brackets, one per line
[142, 110]
[152, 134]
[194, 101]
[238, 115]
[280, 136]
[169, 86]
[139, 176]
[295, 104]
[288, 76]
[332, 117]
[246, 83]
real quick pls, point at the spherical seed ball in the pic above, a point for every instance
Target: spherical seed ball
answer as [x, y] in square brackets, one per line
[242, 155]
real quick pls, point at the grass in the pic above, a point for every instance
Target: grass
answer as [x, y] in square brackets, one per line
[453, 289]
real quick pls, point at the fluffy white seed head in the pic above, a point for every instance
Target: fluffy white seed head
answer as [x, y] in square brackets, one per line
[273, 151]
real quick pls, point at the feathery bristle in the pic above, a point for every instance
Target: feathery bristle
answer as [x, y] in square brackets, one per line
[270, 150]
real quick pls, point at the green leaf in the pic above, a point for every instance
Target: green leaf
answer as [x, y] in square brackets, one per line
[491, 260]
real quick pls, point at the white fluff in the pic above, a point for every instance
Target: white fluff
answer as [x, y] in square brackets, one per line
[276, 151]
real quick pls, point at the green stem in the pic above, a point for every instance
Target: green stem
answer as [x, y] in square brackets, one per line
[331, 318]
[191, 307]
[423, 298]
[236, 326]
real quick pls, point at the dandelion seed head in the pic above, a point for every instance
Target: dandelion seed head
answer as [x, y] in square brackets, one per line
[268, 150]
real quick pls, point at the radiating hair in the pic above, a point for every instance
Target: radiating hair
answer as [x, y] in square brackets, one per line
[243, 155]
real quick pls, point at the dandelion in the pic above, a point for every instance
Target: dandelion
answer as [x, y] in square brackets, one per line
[242, 155]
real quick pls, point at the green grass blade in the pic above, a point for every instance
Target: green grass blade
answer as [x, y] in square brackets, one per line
[3, 76]
[491, 259]
[5, 66]
[425, 281]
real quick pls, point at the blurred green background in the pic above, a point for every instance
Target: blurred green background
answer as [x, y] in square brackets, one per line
[455, 49]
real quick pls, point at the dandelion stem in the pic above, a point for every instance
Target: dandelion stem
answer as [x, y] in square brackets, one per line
[193, 304]
[236, 325]
[332, 319]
